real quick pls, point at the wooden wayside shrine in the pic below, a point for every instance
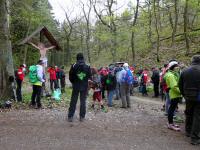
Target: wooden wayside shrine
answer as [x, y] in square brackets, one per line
[43, 31]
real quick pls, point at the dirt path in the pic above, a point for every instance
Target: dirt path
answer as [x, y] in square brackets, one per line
[140, 128]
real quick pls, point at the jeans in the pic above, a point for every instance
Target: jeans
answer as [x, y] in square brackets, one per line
[117, 91]
[144, 89]
[167, 102]
[110, 97]
[73, 102]
[55, 83]
[172, 108]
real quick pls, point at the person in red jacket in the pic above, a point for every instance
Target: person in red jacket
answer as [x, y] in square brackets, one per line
[19, 79]
[144, 80]
[53, 79]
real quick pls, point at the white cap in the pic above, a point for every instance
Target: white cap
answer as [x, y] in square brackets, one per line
[172, 63]
[125, 65]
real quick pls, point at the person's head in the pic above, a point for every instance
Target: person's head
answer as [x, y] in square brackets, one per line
[41, 45]
[40, 62]
[196, 59]
[125, 65]
[173, 65]
[79, 56]
[21, 66]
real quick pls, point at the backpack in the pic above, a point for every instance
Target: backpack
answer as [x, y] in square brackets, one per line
[33, 74]
[128, 78]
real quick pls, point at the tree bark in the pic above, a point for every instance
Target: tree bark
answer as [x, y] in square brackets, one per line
[186, 28]
[157, 31]
[150, 23]
[26, 46]
[175, 22]
[6, 60]
[87, 18]
[133, 32]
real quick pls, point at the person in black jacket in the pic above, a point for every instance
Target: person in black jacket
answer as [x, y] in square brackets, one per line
[78, 76]
[189, 85]
[111, 83]
[155, 79]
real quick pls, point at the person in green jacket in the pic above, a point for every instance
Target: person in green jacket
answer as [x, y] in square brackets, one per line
[172, 78]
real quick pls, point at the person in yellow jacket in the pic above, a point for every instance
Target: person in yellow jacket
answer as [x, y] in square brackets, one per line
[172, 78]
[37, 86]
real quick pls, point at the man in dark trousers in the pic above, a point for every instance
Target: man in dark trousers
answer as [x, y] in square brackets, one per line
[189, 85]
[37, 85]
[78, 76]
[155, 79]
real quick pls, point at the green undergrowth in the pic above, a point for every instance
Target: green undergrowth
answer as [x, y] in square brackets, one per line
[47, 102]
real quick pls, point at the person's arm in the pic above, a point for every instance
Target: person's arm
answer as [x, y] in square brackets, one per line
[89, 72]
[71, 74]
[33, 45]
[172, 83]
[51, 47]
[181, 84]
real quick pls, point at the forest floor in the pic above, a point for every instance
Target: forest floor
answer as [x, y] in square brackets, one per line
[142, 127]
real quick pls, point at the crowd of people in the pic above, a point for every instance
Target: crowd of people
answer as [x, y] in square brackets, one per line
[38, 78]
[170, 82]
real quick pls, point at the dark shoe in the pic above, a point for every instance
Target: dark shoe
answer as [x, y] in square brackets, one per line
[82, 119]
[154, 96]
[70, 119]
[32, 105]
[195, 142]
[187, 134]
[122, 107]
[39, 106]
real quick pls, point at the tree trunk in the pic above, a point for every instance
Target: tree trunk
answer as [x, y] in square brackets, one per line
[6, 60]
[186, 28]
[87, 18]
[133, 46]
[150, 22]
[68, 52]
[26, 46]
[175, 22]
[133, 32]
[87, 43]
[157, 31]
